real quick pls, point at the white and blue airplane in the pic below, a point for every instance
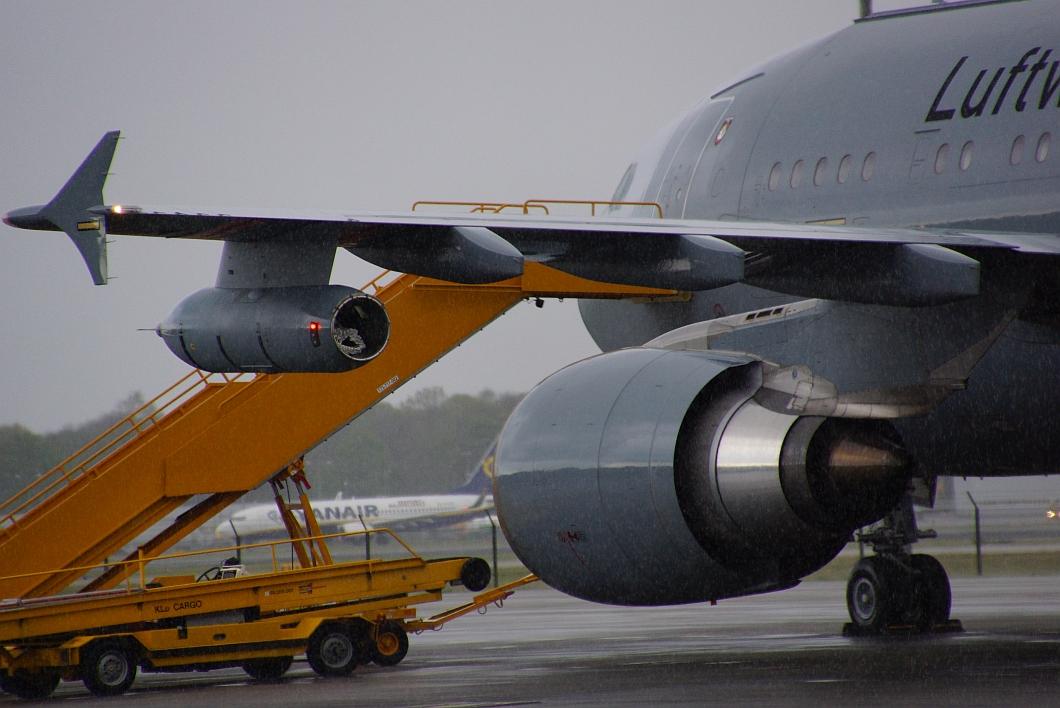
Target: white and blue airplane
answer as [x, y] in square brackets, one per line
[469, 501]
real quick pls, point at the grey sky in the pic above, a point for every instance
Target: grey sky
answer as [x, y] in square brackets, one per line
[325, 105]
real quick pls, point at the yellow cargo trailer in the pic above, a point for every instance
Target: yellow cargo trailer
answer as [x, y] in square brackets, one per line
[339, 614]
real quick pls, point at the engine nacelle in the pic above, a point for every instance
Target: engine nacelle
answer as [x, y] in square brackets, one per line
[650, 477]
[321, 328]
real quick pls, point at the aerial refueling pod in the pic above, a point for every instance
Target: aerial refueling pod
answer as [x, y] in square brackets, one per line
[320, 328]
[651, 477]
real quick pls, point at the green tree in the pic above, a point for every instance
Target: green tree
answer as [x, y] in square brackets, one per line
[427, 444]
[25, 455]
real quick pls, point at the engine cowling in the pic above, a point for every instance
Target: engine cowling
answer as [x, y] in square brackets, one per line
[322, 328]
[650, 477]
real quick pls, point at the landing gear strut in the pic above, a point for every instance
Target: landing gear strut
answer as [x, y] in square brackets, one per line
[895, 589]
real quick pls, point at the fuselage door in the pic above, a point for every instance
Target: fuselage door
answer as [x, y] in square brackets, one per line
[693, 149]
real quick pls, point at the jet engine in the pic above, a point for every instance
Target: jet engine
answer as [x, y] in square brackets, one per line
[321, 328]
[652, 477]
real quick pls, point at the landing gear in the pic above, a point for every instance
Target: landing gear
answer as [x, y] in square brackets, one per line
[896, 590]
[933, 591]
[887, 592]
[875, 593]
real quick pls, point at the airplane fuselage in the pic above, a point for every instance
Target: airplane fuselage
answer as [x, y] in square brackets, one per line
[926, 119]
[354, 514]
[872, 126]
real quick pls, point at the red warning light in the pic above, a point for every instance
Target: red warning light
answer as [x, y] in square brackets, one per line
[314, 333]
[314, 326]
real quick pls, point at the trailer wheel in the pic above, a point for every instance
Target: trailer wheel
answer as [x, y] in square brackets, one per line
[107, 667]
[30, 687]
[391, 644]
[475, 574]
[331, 651]
[364, 643]
[269, 669]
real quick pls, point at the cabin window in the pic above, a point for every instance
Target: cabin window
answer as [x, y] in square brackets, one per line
[940, 158]
[868, 167]
[1016, 156]
[966, 156]
[1041, 153]
[819, 172]
[796, 174]
[774, 177]
[844, 169]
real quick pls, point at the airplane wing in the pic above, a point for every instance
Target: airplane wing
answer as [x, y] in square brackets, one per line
[893, 266]
[353, 228]
[877, 265]
[666, 253]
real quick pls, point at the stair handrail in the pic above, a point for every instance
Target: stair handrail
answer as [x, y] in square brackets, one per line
[136, 424]
[141, 561]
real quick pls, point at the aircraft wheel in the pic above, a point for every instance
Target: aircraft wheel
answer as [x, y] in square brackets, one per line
[269, 669]
[876, 593]
[391, 644]
[331, 651]
[932, 586]
[107, 667]
[30, 687]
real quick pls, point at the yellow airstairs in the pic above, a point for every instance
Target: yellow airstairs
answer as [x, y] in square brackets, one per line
[208, 439]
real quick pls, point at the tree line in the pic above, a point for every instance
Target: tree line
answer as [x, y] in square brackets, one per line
[429, 443]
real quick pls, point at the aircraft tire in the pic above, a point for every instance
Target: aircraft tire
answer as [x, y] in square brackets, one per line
[932, 591]
[876, 593]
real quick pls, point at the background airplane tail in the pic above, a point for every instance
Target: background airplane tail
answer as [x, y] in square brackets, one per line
[481, 480]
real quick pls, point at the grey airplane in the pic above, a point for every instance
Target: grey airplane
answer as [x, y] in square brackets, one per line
[866, 233]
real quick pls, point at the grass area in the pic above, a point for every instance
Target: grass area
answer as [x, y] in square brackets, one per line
[959, 561]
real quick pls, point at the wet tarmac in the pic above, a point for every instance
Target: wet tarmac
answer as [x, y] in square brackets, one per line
[783, 649]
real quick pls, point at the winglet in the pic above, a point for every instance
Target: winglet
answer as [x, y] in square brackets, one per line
[70, 209]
